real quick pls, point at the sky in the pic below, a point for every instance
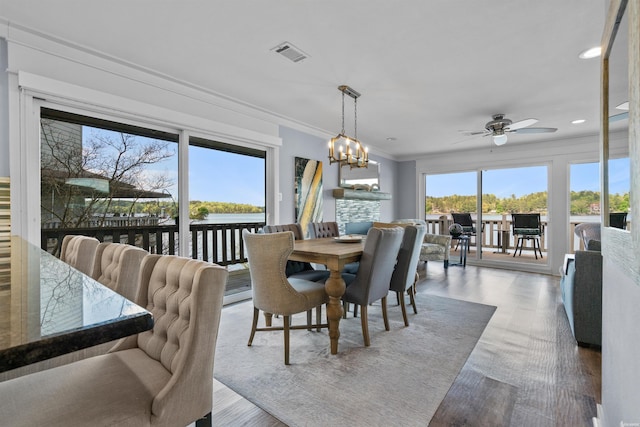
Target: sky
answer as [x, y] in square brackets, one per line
[520, 181]
[219, 176]
[214, 175]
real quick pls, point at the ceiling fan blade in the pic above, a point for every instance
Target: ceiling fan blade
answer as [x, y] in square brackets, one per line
[617, 117]
[534, 130]
[472, 132]
[522, 124]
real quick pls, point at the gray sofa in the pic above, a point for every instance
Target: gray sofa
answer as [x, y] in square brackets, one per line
[581, 287]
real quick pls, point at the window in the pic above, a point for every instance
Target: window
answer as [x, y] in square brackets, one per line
[96, 173]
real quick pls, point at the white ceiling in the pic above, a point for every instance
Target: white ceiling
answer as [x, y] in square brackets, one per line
[425, 69]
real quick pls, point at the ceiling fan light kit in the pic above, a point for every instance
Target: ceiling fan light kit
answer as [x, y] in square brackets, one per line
[350, 151]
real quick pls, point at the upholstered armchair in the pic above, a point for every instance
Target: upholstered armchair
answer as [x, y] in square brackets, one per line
[435, 247]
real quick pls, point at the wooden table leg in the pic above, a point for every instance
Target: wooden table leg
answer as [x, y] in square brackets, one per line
[335, 288]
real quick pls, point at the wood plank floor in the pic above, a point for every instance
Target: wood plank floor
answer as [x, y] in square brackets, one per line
[525, 371]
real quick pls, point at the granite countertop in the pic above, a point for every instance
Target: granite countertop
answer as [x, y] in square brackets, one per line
[48, 308]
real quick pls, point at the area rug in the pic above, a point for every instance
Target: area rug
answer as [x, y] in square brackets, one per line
[399, 380]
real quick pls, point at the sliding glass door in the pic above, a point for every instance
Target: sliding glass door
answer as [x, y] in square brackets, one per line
[502, 193]
[505, 194]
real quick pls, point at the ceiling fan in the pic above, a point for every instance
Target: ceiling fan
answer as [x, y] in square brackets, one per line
[500, 126]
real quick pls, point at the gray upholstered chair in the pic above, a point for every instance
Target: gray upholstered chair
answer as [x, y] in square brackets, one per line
[405, 274]
[79, 252]
[272, 291]
[298, 269]
[357, 227]
[116, 265]
[435, 247]
[161, 377]
[371, 282]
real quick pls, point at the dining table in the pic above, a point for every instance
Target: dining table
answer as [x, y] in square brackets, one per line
[48, 308]
[334, 253]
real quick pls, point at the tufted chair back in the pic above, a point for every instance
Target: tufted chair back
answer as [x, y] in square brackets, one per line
[318, 230]
[296, 229]
[185, 297]
[78, 252]
[117, 265]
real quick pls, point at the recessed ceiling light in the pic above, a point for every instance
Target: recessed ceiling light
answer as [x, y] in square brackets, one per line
[577, 122]
[392, 138]
[593, 52]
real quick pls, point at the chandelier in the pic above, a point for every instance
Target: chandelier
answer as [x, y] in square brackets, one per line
[349, 151]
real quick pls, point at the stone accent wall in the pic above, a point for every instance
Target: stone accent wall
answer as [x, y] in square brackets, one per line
[350, 210]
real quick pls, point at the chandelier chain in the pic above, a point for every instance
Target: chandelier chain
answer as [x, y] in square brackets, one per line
[342, 113]
[355, 118]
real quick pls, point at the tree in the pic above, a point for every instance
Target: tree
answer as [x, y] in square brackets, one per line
[107, 174]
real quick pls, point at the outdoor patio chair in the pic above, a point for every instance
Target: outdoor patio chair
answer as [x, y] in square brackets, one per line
[618, 220]
[527, 227]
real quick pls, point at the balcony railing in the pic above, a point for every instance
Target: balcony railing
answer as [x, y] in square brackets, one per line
[496, 233]
[218, 243]
[222, 243]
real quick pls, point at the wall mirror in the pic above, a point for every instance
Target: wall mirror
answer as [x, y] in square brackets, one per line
[363, 178]
[620, 85]
[617, 182]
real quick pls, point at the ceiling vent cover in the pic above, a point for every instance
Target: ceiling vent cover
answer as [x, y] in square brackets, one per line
[290, 52]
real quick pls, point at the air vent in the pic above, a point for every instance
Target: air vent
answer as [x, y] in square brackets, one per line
[290, 52]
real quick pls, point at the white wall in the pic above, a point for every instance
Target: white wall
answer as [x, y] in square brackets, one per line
[296, 143]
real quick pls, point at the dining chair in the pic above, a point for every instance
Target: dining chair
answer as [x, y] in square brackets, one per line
[357, 227]
[319, 230]
[117, 265]
[298, 269]
[527, 226]
[161, 377]
[79, 252]
[405, 274]
[272, 291]
[371, 282]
